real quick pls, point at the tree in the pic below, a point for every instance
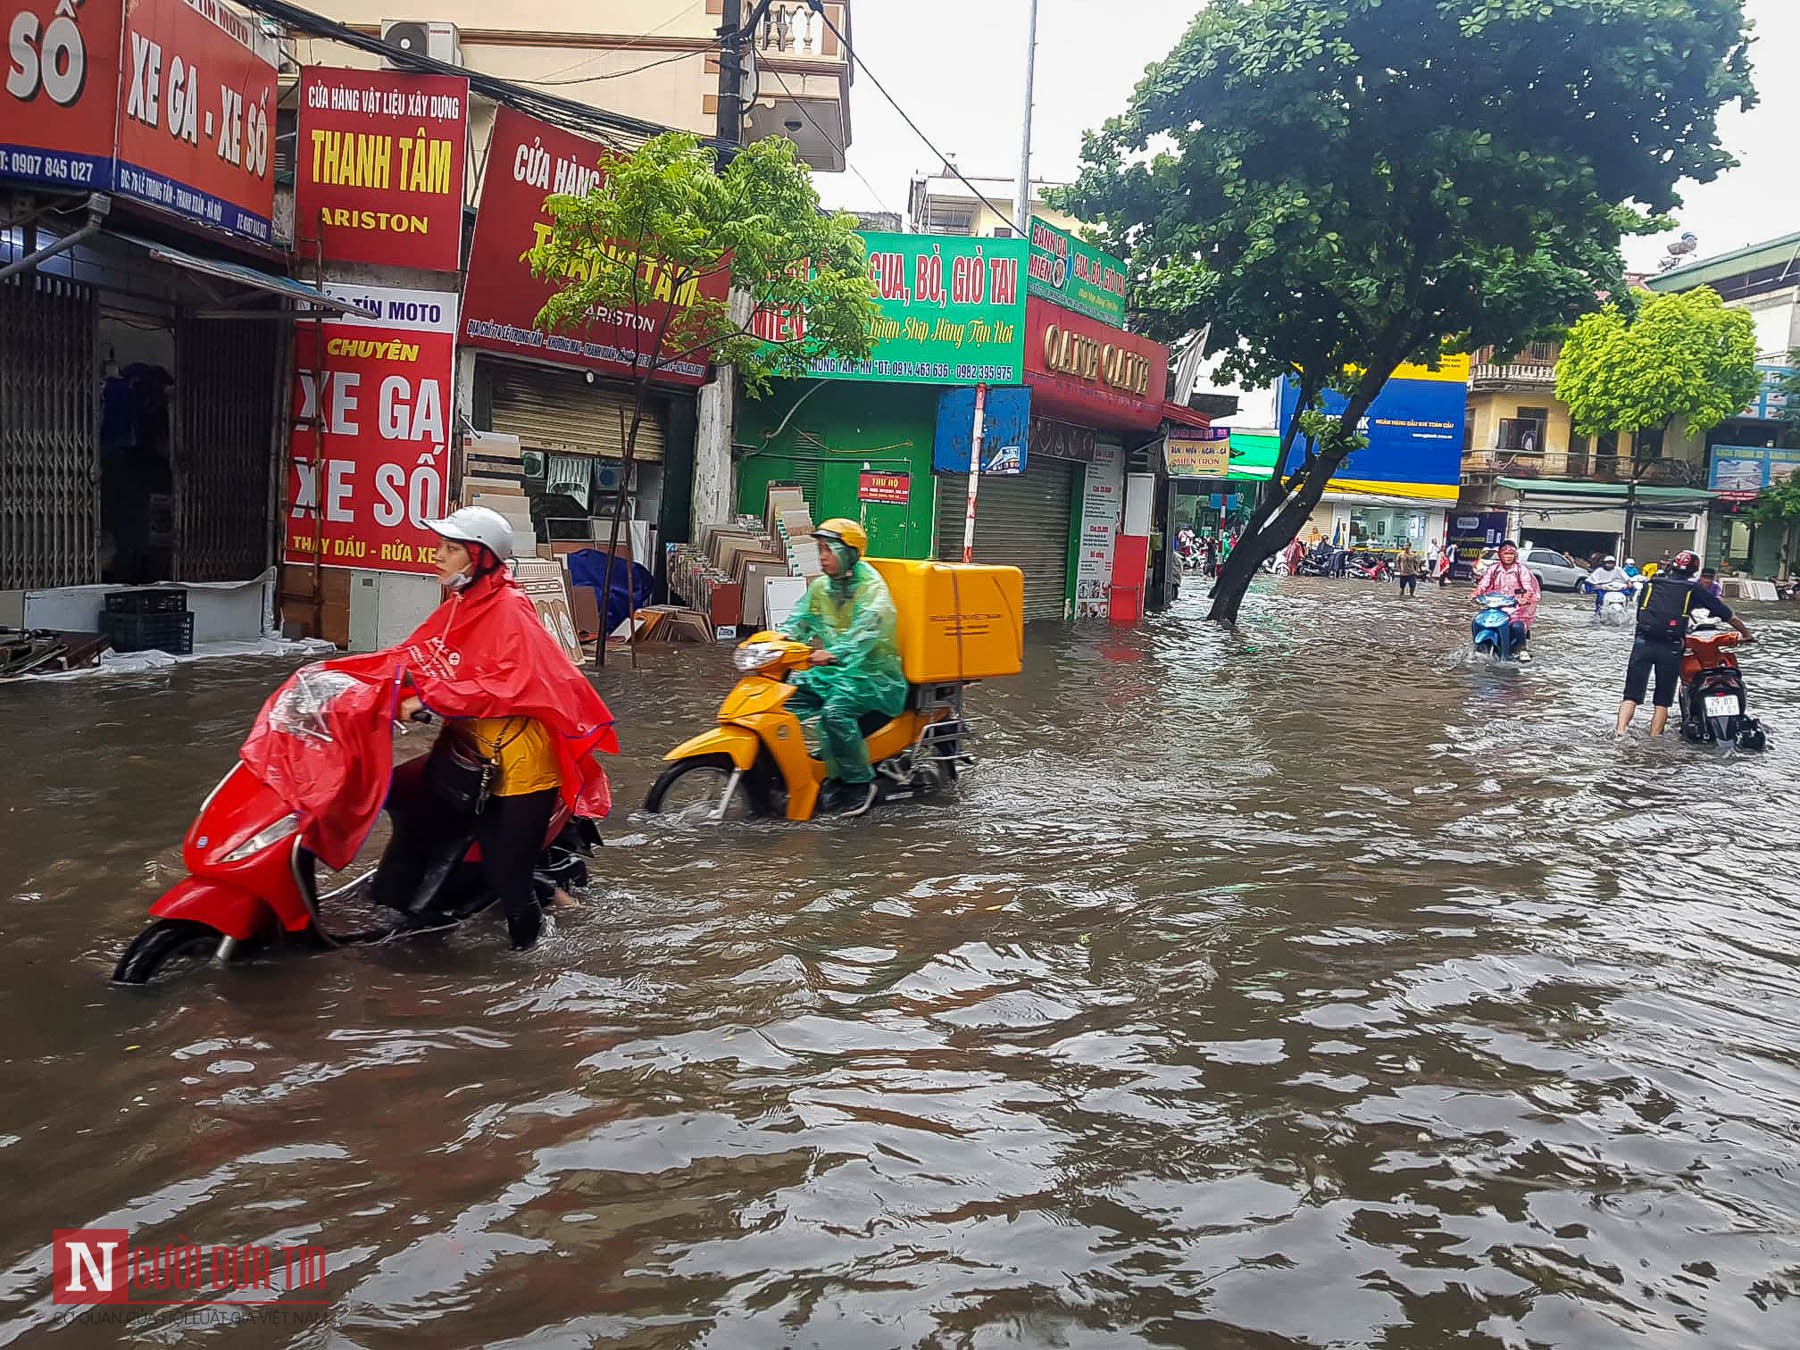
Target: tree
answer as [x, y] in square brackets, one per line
[1681, 356]
[661, 224]
[1340, 186]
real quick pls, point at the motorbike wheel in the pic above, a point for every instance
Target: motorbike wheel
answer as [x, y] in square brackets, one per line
[161, 942]
[693, 788]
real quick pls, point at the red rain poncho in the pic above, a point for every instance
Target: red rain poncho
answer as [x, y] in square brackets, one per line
[323, 742]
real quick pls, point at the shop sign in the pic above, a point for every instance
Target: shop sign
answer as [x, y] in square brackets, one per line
[378, 170]
[528, 161]
[1071, 273]
[1740, 473]
[1102, 507]
[949, 310]
[1414, 431]
[1062, 440]
[197, 115]
[1087, 371]
[1196, 453]
[886, 488]
[1005, 428]
[371, 432]
[1771, 399]
[60, 98]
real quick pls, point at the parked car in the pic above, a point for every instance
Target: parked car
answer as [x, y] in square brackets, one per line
[1553, 571]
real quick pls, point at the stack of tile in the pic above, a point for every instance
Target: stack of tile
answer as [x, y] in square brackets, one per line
[494, 477]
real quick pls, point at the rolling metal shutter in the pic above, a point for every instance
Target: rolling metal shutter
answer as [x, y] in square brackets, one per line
[1020, 522]
[49, 433]
[225, 415]
[550, 409]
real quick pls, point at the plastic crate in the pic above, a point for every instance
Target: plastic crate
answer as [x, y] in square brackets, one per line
[171, 633]
[160, 600]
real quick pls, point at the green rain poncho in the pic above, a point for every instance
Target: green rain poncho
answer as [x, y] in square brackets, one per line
[852, 618]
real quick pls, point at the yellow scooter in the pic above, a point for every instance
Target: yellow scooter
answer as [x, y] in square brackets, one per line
[957, 624]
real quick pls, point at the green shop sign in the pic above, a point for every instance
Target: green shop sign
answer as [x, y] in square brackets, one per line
[1069, 272]
[951, 311]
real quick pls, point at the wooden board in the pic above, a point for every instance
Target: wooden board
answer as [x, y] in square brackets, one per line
[546, 582]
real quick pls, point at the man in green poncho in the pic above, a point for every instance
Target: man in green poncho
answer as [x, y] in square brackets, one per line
[848, 617]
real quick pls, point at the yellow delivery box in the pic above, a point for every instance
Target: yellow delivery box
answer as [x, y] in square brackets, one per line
[958, 621]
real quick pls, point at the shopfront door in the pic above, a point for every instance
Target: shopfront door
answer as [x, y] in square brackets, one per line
[1020, 522]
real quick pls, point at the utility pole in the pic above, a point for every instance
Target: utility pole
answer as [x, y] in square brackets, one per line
[731, 80]
[1022, 192]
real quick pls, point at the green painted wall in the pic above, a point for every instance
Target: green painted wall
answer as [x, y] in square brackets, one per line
[841, 428]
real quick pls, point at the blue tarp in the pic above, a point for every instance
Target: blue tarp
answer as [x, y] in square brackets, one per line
[630, 588]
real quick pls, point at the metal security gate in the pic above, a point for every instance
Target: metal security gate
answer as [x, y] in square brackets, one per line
[1022, 522]
[49, 436]
[559, 410]
[224, 424]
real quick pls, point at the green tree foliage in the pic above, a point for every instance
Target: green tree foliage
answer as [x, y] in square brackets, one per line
[1339, 186]
[662, 222]
[1682, 355]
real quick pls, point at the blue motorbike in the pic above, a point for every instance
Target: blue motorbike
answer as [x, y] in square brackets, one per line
[1493, 625]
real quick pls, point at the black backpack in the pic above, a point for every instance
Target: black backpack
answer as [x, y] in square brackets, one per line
[1663, 612]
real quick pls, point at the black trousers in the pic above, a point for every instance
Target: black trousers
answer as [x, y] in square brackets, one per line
[510, 830]
[1409, 585]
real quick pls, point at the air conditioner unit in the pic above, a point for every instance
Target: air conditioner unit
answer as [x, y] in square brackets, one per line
[420, 37]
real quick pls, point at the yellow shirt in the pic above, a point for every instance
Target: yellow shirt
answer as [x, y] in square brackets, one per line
[522, 746]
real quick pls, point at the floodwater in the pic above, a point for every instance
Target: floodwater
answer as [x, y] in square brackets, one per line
[1305, 987]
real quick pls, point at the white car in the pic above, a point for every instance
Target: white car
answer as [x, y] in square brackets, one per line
[1550, 568]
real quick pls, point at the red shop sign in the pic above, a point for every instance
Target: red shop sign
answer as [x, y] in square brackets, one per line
[371, 439]
[60, 96]
[1082, 370]
[890, 488]
[378, 172]
[527, 161]
[197, 115]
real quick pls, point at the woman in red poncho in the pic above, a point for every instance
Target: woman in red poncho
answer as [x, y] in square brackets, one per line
[510, 698]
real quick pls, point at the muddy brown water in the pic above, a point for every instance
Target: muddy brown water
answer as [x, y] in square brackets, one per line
[1305, 987]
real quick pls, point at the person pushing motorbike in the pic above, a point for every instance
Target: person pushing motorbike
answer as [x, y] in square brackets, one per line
[1506, 575]
[849, 619]
[1665, 608]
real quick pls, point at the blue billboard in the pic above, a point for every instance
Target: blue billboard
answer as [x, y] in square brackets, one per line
[1743, 471]
[1415, 434]
[1005, 429]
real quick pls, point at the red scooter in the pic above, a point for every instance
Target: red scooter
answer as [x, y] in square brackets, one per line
[251, 858]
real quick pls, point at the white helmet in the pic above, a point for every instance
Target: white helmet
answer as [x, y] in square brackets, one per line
[477, 525]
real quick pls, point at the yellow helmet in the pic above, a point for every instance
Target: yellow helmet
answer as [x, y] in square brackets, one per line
[841, 530]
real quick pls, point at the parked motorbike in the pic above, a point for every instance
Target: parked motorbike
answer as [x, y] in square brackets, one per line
[1714, 702]
[957, 624]
[1368, 567]
[252, 878]
[1493, 625]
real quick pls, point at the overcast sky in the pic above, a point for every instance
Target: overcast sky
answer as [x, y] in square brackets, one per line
[957, 67]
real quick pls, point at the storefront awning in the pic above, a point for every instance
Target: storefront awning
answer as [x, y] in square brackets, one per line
[1183, 416]
[236, 273]
[1693, 499]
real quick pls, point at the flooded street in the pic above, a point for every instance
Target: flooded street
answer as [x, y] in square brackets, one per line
[1304, 987]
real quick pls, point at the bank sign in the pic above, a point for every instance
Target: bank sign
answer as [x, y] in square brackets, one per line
[949, 310]
[1414, 429]
[167, 102]
[1071, 273]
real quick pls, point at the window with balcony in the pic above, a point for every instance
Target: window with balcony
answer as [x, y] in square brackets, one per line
[1522, 435]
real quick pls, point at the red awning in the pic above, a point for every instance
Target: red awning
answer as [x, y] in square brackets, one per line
[1183, 416]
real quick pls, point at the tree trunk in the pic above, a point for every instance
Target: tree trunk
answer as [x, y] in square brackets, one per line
[626, 467]
[1631, 483]
[1294, 499]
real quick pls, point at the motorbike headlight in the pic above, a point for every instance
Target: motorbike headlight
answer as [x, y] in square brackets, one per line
[756, 655]
[269, 834]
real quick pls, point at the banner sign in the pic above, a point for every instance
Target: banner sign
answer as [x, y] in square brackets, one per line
[527, 161]
[60, 98]
[1770, 401]
[1192, 453]
[378, 171]
[377, 393]
[1102, 508]
[1469, 536]
[1741, 473]
[1071, 273]
[197, 115]
[1062, 440]
[887, 488]
[1415, 433]
[951, 310]
[1005, 424]
[1086, 371]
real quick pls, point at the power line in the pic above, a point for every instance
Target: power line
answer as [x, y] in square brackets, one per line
[619, 74]
[819, 9]
[630, 42]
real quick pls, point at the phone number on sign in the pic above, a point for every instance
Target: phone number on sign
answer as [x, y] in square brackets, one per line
[917, 370]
